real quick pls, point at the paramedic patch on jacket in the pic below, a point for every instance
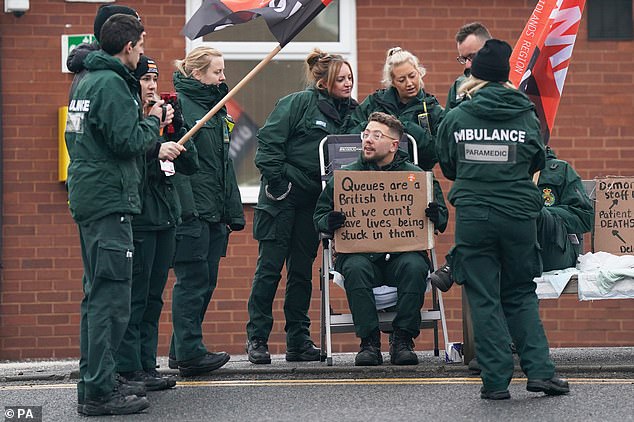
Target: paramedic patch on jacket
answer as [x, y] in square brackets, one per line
[549, 197]
[487, 153]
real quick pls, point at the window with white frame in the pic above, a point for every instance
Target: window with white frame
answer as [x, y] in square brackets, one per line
[244, 46]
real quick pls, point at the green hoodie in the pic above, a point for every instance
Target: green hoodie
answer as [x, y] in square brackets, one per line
[106, 137]
[325, 204]
[491, 146]
[212, 192]
[388, 101]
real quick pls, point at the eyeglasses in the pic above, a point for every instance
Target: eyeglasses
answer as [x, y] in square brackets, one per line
[376, 135]
[465, 59]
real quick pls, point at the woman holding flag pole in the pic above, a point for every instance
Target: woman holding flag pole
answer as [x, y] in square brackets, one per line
[211, 209]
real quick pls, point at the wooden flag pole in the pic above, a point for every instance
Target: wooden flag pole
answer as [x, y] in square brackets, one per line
[229, 95]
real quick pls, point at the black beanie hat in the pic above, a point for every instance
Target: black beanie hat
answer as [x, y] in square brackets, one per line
[146, 65]
[106, 11]
[492, 61]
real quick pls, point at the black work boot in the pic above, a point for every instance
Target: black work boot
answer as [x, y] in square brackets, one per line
[172, 363]
[151, 383]
[258, 351]
[551, 387]
[402, 349]
[129, 388]
[169, 380]
[441, 278]
[115, 403]
[306, 353]
[370, 353]
[201, 365]
[494, 395]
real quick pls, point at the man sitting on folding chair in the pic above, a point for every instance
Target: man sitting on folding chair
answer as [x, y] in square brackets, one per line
[364, 271]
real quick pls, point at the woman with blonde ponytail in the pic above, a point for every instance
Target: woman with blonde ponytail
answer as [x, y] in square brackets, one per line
[211, 209]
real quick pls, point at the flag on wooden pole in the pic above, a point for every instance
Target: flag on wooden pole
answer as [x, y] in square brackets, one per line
[285, 18]
[541, 56]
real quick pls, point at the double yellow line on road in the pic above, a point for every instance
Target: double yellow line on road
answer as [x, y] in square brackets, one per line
[326, 382]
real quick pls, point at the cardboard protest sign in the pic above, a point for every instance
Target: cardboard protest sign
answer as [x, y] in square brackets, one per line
[385, 211]
[614, 216]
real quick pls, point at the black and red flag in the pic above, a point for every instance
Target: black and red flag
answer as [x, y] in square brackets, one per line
[540, 59]
[285, 18]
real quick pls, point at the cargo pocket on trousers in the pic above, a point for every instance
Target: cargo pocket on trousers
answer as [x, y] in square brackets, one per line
[189, 245]
[265, 224]
[114, 261]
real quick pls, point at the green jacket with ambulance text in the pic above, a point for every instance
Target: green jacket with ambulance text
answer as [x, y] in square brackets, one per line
[491, 146]
[106, 136]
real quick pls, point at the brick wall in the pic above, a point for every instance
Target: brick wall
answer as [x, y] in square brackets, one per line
[40, 289]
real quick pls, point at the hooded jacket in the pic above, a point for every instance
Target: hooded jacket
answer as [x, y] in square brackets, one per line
[490, 146]
[325, 204]
[388, 101]
[212, 192]
[105, 136]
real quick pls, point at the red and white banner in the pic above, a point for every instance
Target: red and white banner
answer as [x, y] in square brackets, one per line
[541, 56]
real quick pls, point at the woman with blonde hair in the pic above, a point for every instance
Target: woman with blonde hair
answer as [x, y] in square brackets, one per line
[404, 97]
[288, 159]
[491, 146]
[211, 209]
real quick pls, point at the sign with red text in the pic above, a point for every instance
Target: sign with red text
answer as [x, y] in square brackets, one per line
[614, 215]
[385, 211]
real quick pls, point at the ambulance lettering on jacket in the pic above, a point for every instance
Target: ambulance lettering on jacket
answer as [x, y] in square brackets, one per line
[510, 135]
[79, 105]
[77, 109]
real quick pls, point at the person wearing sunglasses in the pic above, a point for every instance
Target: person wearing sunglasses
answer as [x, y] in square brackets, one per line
[469, 40]
[364, 271]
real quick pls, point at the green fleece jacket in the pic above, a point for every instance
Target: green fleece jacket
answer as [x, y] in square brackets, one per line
[106, 137]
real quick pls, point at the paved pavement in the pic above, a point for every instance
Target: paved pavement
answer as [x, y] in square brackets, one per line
[617, 360]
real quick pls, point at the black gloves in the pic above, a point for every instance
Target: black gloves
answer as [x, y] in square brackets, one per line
[433, 212]
[177, 121]
[236, 227]
[335, 220]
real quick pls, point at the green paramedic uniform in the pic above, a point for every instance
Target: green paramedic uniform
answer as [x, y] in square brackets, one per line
[491, 146]
[154, 233]
[566, 215]
[288, 157]
[211, 206]
[363, 271]
[106, 137]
